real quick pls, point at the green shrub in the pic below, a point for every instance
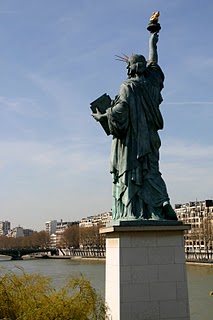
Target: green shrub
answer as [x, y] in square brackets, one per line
[33, 297]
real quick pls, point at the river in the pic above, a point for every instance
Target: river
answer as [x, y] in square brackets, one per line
[200, 279]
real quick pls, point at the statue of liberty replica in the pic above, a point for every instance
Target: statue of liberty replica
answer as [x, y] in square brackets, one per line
[133, 119]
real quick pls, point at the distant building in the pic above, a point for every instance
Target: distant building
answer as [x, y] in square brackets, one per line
[16, 232]
[19, 232]
[199, 214]
[27, 232]
[53, 240]
[4, 227]
[50, 226]
[98, 219]
[56, 229]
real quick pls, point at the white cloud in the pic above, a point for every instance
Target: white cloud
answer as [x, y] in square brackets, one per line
[22, 106]
[46, 156]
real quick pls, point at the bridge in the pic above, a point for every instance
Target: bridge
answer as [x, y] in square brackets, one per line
[18, 253]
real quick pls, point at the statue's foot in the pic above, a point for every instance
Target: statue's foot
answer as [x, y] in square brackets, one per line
[154, 217]
[169, 213]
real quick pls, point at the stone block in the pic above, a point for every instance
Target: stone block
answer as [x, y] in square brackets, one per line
[144, 274]
[183, 308]
[134, 256]
[161, 255]
[125, 275]
[112, 242]
[173, 309]
[172, 272]
[169, 238]
[160, 291]
[182, 290]
[113, 274]
[113, 256]
[180, 255]
[168, 309]
[135, 292]
[126, 311]
[151, 310]
[126, 241]
[147, 239]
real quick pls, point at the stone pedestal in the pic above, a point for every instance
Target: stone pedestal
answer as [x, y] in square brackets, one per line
[146, 272]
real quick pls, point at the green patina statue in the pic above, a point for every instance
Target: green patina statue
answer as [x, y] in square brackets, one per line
[133, 119]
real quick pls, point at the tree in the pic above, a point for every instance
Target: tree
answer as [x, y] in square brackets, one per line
[32, 297]
[90, 236]
[208, 235]
[39, 239]
[71, 236]
[35, 240]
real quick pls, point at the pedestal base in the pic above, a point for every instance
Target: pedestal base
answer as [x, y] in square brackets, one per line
[146, 273]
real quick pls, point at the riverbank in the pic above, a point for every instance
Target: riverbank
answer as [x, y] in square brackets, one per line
[71, 258]
[200, 263]
[89, 258]
[189, 262]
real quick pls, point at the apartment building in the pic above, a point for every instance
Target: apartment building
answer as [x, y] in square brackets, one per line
[50, 226]
[99, 219]
[4, 227]
[27, 232]
[16, 232]
[199, 214]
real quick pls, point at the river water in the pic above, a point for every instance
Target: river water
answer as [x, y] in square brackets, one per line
[200, 279]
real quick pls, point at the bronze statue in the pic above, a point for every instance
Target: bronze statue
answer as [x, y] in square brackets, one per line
[133, 119]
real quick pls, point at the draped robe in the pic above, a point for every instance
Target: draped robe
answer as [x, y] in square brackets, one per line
[138, 190]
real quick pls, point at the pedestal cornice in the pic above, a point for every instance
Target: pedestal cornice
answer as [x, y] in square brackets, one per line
[133, 226]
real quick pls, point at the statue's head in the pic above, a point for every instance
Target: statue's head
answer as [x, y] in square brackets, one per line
[136, 65]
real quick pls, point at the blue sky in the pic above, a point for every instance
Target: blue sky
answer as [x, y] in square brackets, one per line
[58, 56]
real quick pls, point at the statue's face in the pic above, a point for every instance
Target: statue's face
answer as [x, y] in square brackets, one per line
[129, 70]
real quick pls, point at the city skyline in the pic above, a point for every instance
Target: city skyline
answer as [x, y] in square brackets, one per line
[57, 57]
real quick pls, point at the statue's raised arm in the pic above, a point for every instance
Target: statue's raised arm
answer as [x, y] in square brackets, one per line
[153, 53]
[154, 27]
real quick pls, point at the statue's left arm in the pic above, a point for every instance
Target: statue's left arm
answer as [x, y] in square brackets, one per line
[98, 116]
[118, 114]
